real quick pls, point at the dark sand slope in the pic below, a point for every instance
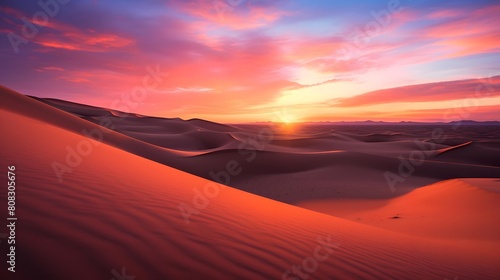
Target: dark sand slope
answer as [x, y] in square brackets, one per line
[119, 209]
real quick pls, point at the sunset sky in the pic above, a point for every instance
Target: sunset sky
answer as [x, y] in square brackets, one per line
[253, 60]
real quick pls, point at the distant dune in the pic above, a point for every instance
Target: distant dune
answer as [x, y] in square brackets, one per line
[93, 200]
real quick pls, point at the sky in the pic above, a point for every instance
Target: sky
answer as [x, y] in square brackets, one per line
[259, 60]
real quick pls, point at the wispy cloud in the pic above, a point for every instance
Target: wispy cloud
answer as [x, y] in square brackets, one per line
[441, 91]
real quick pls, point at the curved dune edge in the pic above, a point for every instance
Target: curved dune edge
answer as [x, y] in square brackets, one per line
[117, 210]
[458, 210]
[16, 102]
[444, 150]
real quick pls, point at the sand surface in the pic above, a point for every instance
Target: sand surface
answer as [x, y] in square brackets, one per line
[136, 197]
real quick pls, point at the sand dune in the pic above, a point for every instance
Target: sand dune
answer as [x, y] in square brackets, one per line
[471, 152]
[456, 209]
[119, 206]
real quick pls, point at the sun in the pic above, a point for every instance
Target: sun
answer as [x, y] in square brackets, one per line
[289, 119]
[285, 118]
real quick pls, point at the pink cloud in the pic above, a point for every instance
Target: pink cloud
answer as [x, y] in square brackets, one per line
[479, 113]
[449, 13]
[58, 35]
[84, 41]
[236, 14]
[467, 33]
[451, 90]
[11, 12]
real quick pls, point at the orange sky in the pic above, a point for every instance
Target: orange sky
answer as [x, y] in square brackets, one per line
[249, 60]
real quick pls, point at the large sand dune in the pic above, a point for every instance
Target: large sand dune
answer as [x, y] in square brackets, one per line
[122, 204]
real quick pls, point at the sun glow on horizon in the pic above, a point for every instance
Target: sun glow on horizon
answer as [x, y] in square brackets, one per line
[285, 117]
[289, 119]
